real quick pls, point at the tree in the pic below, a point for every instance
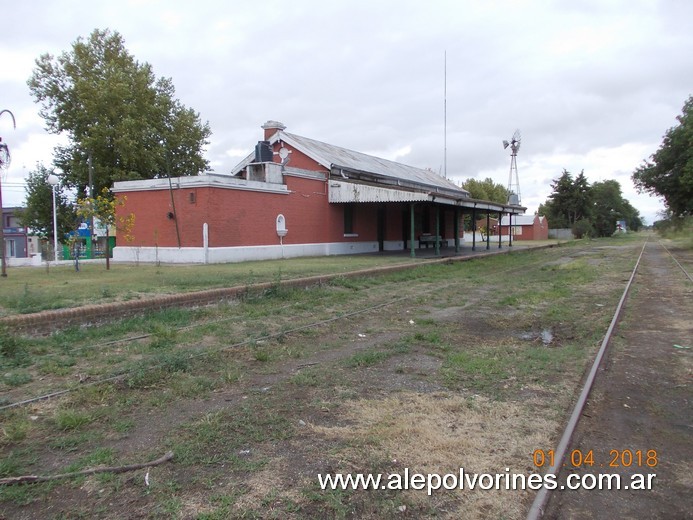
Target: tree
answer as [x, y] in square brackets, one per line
[608, 207]
[486, 190]
[122, 123]
[569, 202]
[669, 172]
[38, 213]
[103, 207]
[588, 210]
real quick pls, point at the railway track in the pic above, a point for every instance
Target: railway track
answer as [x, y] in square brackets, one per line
[578, 445]
[385, 297]
[380, 311]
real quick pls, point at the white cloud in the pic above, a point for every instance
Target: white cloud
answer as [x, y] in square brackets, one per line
[592, 84]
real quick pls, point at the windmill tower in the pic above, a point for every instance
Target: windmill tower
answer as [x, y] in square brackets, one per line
[514, 179]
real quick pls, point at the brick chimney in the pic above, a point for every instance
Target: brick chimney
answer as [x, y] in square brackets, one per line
[271, 128]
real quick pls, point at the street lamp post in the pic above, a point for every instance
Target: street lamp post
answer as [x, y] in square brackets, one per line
[53, 180]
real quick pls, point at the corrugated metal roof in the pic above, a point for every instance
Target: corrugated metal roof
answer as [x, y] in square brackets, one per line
[518, 220]
[331, 156]
[340, 191]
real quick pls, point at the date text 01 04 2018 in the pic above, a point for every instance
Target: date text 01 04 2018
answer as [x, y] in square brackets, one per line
[582, 459]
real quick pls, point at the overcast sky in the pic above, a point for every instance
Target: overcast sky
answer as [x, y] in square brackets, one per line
[592, 85]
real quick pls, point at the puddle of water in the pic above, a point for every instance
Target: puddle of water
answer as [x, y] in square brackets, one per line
[546, 336]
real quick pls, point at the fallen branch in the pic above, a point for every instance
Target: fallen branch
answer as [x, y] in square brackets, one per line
[307, 365]
[33, 479]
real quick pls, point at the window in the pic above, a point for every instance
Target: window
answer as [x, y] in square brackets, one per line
[349, 219]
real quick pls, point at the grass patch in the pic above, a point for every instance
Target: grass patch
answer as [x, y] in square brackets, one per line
[72, 441]
[15, 427]
[16, 378]
[12, 349]
[220, 436]
[71, 419]
[309, 378]
[367, 358]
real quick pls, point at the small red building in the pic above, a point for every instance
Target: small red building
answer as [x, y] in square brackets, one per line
[294, 196]
[526, 227]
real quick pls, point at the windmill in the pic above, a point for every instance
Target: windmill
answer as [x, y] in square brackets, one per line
[514, 179]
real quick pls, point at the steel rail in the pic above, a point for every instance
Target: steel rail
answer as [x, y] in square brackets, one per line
[536, 511]
[677, 262]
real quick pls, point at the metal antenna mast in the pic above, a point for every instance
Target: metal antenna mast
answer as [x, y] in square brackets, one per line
[513, 179]
[445, 116]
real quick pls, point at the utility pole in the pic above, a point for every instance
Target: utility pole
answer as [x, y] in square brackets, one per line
[4, 164]
[91, 196]
[3, 270]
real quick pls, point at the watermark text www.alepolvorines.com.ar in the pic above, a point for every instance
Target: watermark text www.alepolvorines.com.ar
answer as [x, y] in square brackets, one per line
[483, 481]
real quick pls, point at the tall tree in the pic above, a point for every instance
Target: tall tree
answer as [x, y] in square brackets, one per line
[669, 172]
[486, 190]
[588, 210]
[608, 207]
[569, 202]
[121, 121]
[38, 213]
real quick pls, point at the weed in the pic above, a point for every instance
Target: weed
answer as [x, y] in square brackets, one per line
[367, 358]
[9, 465]
[260, 354]
[331, 503]
[163, 337]
[479, 368]
[148, 373]
[306, 378]
[12, 350]
[72, 441]
[15, 428]
[70, 419]
[17, 378]
[98, 457]
[56, 365]
[219, 435]
[123, 425]
[192, 386]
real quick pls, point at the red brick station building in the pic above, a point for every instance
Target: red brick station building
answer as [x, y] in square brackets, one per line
[293, 197]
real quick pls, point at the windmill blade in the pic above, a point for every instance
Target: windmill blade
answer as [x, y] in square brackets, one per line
[516, 136]
[505, 144]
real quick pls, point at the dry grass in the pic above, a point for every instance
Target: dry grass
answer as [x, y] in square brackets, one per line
[441, 433]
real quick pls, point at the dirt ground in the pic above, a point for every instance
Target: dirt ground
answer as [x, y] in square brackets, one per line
[642, 401]
[455, 372]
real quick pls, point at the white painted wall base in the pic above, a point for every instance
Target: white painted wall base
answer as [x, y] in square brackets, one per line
[467, 239]
[218, 255]
[20, 262]
[393, 245]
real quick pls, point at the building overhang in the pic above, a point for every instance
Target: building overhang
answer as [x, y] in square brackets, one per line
[341, 191]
